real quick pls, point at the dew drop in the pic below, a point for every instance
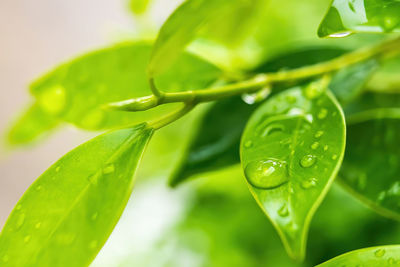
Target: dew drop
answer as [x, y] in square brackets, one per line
[315, 145]
[58, 169]
[18, 207]
[27, 239]
[334, 157]
[110, 168]
[38, 225]
[322, 114]
[38, 188]
[318, 134]
[272, 128]
[283, 211]
[20, 221]
[248, 144]
[339, 34]
[314, 90]
[53, 100]
[309, 183]
[94, 216]
[379, 253]
[266, 174]
[326, 147]
[381, 196]
[93, 244]
[308, 161]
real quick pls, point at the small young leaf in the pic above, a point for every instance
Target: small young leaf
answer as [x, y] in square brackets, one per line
[291, 151]
[138, 7]
[68, 213]
[345, 17]
[383, 256]
[190, 19]
[371, 167]
[31, 125]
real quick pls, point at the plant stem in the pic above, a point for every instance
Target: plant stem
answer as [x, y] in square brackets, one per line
[390, 47]
[164, 121]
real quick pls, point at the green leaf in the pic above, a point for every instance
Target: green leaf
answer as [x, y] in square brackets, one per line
[68, 213]
[345, 17]
[383, 256]
[138, 7]
[371, 166]
[31, 126]
[215, 144]
[195, 17]
[291, 151]
[76, 91]
[372, 101]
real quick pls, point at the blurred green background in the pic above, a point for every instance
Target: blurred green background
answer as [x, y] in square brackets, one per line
[213, 220]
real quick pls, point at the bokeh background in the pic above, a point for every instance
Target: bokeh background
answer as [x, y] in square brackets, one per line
[212, 221]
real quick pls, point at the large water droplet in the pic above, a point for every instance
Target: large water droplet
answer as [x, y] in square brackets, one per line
[53, 100]
[315, 145]
[266, 174]
[110, 168]
[309, 183]
[379, 253]
[318, 134]
[308, 161]
[272, 128]
[283, 211]
[314, 89]
[339, 34]
[322, 114]
[257, 97]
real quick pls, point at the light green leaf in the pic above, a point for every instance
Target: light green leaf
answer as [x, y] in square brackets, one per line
[192, 19]
[383, 256]
[76, 91]
[68, 213]
[345, 17]
[31, 125]
[291, 151]
[371, 168]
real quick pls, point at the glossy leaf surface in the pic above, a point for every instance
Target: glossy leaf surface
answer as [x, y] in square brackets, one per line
[345, 17]
[371, 168]
[291, 151]
[384, 256]
[76, 92]
[193, 18]
[68, 213]
[210, 150]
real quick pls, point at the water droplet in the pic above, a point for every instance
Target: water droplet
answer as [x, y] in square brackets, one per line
[27, 238]
[266, 174]
[334, 157]
[307, 161]
[53, 100]
[381, 196]
[379, 253]
[272, 128]
[94, 216]
[318, 134]
[58, 169]
[93, 244]
[5, 258]
[248, 144]
[315, 145]
[309, 183]
[38, 225]
[18, 207]
[391, 261]
[283, 211]
[339, 34]
[314, 89]
[322, 114]
[38, 188]
[109, 169]
[256, 97]
[326, 147]
[20, 221]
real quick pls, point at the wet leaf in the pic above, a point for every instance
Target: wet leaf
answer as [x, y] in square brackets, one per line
[371, 167]
[291, 151]
[192, 19]
[70, 210]
[383, 256]
[345, 17]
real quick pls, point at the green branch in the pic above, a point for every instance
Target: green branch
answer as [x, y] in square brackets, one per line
[390, 47]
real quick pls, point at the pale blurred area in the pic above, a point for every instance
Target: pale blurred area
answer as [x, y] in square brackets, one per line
[35, 37]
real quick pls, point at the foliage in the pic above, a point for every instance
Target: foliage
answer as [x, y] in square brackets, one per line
[293, 120]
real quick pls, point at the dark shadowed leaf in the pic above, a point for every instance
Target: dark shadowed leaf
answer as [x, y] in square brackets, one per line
[291, 151]
[383, 256]
[345, 17]
[68, 213]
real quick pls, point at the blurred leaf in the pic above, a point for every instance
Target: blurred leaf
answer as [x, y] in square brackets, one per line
[371, 167]
[215, 144]
[372, 101]
[345, 17]
[139, 7]
[291, 151]
[383, 256]
[76, 91]
[68, 213]
[31, 125]
[194, 18]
